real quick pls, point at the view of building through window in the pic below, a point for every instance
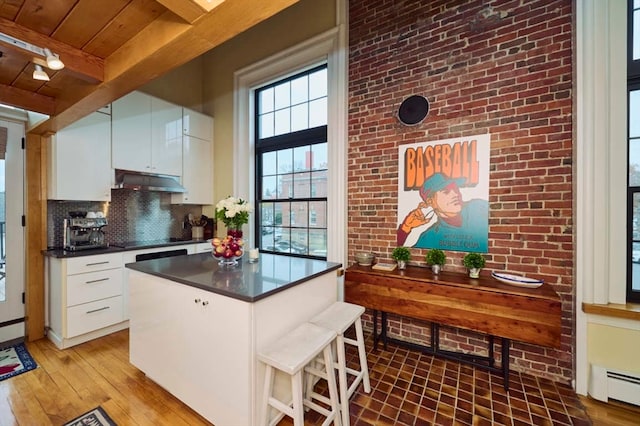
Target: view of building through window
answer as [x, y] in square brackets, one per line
[292, 164]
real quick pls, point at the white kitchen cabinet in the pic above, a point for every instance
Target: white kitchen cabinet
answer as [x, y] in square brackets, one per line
[197, 124]
[80, 160]
[146, 135]
[85, 298]
[197, 160]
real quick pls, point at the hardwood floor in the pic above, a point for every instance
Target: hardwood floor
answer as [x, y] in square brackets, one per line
[70, 382]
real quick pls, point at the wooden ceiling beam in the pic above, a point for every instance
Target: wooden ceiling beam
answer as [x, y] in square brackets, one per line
[163, 45]
[82, 64]
[27, 100]
[186, 9]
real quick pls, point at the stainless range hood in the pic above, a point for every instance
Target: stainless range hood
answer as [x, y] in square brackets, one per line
[126, 179]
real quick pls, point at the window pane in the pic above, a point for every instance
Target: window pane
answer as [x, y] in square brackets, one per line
[318, 214]
[318, 84]
[278, 215]
[302, 158]
[302, 188]
[285, 161]
[266, 125]
[634, 114]
[636, 34]
[318, 112]
[269, 187]
[635, 256]
[299, 117]
[269, 163]
[285, 186]
[299, 213]
[299, 90]
[319, 184]
[282, 124]
[266, 213]
[318, 242]
[319, 156]
[266, 101]
[282, 96]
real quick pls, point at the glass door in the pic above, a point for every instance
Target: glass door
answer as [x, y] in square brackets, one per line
[12, 180]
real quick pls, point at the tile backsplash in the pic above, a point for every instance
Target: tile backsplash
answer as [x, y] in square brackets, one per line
[132, 216]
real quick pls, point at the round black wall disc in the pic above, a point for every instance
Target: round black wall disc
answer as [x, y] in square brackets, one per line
[413, 110]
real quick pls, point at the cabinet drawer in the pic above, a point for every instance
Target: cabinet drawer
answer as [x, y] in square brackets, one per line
[92, 316]
[82, 288]
[79, 265]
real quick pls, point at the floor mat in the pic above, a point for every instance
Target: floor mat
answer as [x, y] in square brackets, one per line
[95, 417]
[15, 360]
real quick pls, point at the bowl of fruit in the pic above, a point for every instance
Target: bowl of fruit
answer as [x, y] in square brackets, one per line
[227, 249]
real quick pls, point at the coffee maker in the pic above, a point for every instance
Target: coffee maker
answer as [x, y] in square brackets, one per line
[82, 233]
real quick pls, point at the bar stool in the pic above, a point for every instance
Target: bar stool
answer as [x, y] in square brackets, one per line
[291, 354]
[339, 317]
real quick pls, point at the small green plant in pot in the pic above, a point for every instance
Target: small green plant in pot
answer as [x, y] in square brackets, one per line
[401, 255]
[474, 262]
[436, 258]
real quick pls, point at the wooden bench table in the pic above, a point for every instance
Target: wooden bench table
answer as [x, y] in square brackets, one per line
[482, 305]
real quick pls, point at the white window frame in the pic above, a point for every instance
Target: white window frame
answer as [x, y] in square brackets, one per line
[330, 47]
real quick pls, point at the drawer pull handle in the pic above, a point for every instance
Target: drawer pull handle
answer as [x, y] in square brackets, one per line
[98, 310]
[96, 281]
[97, 263]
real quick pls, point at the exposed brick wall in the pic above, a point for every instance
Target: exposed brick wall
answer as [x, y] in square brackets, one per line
[498, 67]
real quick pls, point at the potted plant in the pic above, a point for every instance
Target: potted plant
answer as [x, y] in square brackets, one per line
[435, 258]
[401, 255]
[474, 262]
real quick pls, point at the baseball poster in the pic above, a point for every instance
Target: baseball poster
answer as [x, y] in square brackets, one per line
[443, 194]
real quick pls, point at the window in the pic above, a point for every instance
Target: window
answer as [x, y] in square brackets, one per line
[633, 139]
[292, 164]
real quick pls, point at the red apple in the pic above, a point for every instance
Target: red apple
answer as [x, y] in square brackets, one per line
[227, 254]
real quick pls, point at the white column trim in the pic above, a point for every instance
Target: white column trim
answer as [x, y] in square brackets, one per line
[600, 163]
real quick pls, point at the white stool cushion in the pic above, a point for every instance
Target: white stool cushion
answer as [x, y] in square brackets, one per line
[339, 316]
[297, 348]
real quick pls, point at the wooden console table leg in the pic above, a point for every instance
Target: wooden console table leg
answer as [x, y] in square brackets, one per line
[491, 356]
[384, 330]
[505, 362]
[376, 337]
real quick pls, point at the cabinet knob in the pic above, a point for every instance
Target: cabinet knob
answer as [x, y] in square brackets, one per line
[197, 301]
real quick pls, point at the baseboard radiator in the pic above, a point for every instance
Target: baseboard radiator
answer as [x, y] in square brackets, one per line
[606, 384]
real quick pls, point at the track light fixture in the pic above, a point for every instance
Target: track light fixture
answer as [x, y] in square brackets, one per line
[40, 74]
[53, 60]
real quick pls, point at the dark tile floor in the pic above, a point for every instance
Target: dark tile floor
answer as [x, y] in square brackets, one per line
[411, 388]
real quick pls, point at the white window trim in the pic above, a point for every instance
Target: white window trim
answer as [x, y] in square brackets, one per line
[600, 164]
[330, 47]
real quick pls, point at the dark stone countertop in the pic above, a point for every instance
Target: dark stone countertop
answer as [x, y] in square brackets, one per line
[248, 282]
[62, 254]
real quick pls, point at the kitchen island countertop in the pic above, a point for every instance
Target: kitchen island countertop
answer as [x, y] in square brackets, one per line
[248, 282]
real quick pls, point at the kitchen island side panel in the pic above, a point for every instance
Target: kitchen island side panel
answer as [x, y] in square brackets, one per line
[193, 343]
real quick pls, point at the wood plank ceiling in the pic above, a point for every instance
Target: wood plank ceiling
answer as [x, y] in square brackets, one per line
[109, 47]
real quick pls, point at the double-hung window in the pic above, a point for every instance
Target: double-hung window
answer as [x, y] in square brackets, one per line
[292, 164]
[633, 128]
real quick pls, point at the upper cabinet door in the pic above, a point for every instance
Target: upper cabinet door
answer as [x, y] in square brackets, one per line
[80, 160]
[166, 138]
[131, 138]
[197, 125]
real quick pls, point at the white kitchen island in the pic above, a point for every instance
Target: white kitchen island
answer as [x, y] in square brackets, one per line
[195, 327]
